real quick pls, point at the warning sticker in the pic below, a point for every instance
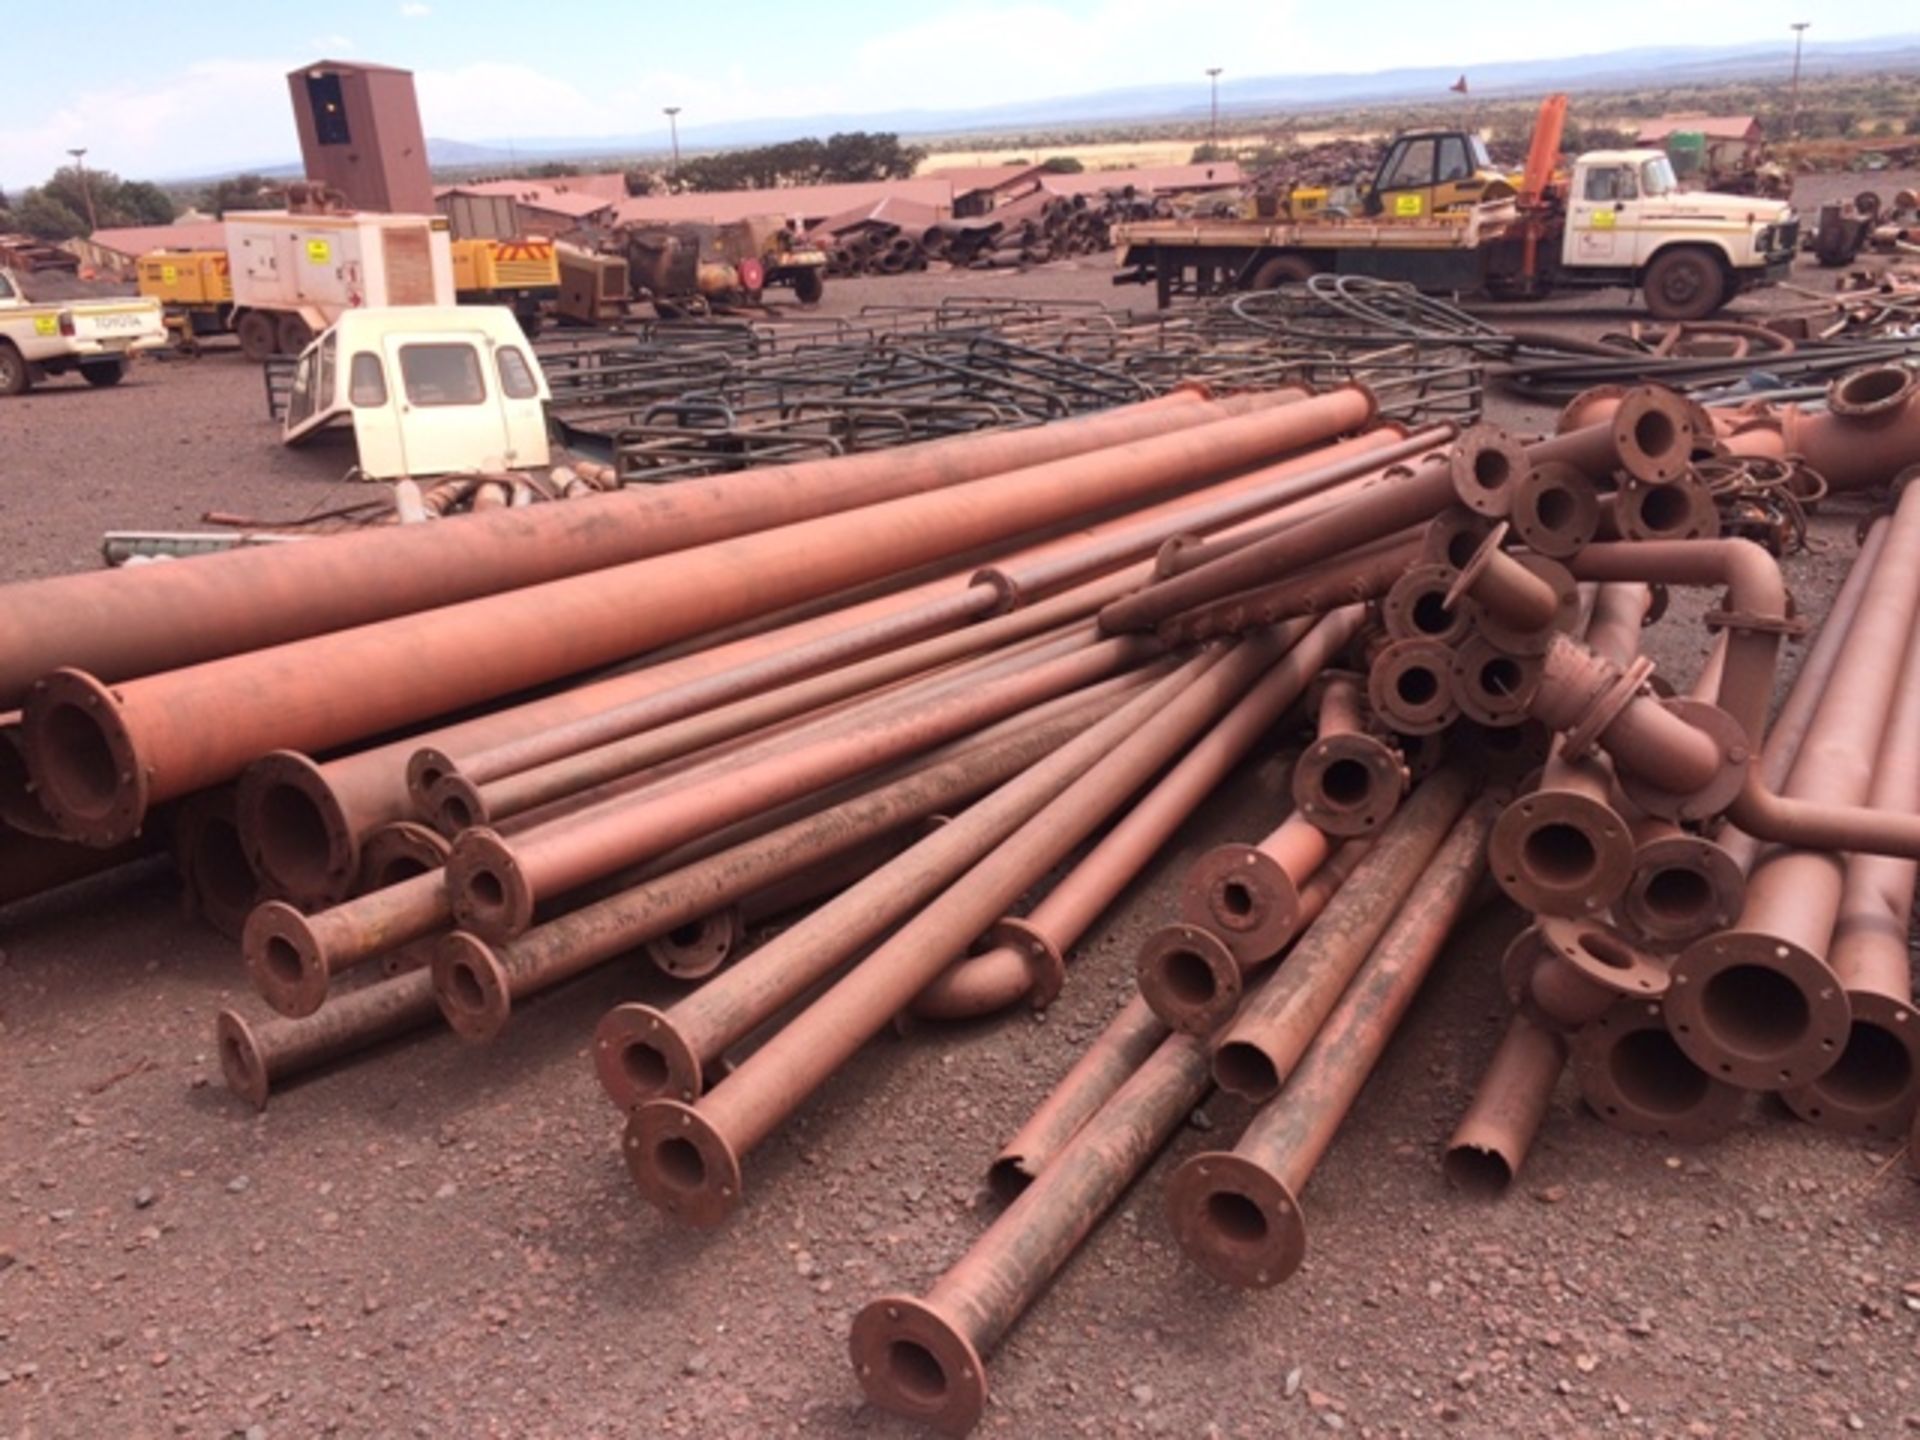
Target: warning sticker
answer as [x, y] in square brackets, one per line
[46, 324]
[319, 252]
[1603, 219]
[169, 274]
[1405, 205]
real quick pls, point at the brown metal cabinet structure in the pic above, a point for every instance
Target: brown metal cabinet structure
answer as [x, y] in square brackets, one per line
[360, 134]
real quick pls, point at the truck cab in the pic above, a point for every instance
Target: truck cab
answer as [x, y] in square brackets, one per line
[1628, 222]
[94, 337]
[428, 390]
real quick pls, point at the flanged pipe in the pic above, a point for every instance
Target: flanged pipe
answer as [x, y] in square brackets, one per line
[1349, 780]
[1636, 1078]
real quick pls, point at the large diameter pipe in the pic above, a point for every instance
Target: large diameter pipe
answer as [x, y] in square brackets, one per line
[1759, 1006]
[1491, 1142]
[496, 882]
[686, 1159]
[479, 984]
[122, 623]
[1635, 1078]
[102, 755]
[924, 1358]
[644, 1054]
[303, 822]
[1032, 959]
[1262, 1046]
[1237, 1213]
[1870, 1089]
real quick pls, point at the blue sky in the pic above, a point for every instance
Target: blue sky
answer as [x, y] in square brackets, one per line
[199, 87]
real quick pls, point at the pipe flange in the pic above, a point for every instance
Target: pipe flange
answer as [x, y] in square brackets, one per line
[1559, 852]
[1729, 736]
[285, 783]
[1757, 1011]
[1452, 536]
[1653, 435]
[1046, 966]
[1476, 566]
[1007, 594]
[1682, 887]
[701, 946]
[1421, 606]
[1872, 392]
[399, 851]
[682, 1163]
[1349, 784]
[1583, 409]
[1605, 708]
[1606, 957]
[1635, 1078]
[914, 1361]
[1566, 617]
[1676, 510]
[86, 768]
[1492, 685]
[1871, 1088]
[1788, 626]
[1556, 510]
[1207, 1196]
[1408, 687]
[1190, 977]
[1487, 463]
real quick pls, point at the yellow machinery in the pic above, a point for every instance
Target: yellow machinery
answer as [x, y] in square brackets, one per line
[523, 275]
[195, 289]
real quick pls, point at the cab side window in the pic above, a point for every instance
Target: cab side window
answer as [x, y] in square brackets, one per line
[1453, 160]
[1414, 167]
[1611, 182]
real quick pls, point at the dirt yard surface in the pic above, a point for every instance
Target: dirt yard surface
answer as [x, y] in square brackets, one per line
[441, 1240]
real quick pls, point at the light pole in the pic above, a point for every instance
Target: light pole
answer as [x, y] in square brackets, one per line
[86, 189]
[1213, 122]
[673, 125]
[1799, 35]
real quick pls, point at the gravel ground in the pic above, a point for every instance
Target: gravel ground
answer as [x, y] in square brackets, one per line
[442, 1241]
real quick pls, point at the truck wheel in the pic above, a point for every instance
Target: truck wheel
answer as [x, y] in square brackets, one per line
[105, 373]
[809, 286]
[294, 334]
[1282, 270]
[256, 336]
[1684, 284]
[14, 376]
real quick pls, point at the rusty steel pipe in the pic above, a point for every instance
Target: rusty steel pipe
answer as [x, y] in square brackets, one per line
[221, 886]
[1491, 1142]
[1349, 780]
[1635, 1078]
[1237, 1213]
[1505, 590]
[400, 850]
[479, 984]
[1563, 849]
[923, 1358]
[686, 1158]
[1029, 958]
[495, 881]
[122, 623]
[1870, 1089]
[1562, 973]
[1683, 886]
[292, 957]
[256, 1055]
[1649, 435]
[643, 1053]
[32, 865]
[1392, 507]
[102, 755]
[1868, 434]
[1192, 978]
[1364, 575]
[1248, 895]
[1556, 511]
[1758, 1005]
[1103, 1067]
[1256, 1053]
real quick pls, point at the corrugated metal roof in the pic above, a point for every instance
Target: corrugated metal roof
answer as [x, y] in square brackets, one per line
[536, 195]
[805, 203]
[1220, 175]
[137, 240]
[909, 215]
[967, 178]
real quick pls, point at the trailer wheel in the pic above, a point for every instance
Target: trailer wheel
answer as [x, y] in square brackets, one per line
[1282, 270]
[809, 286]
[256, 336]
[1684, 284]
[104, 373]
[14, 375]
[293, 334]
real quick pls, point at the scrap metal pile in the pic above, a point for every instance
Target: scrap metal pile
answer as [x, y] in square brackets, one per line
[1031, 230]
[939, 706]
[684, 399]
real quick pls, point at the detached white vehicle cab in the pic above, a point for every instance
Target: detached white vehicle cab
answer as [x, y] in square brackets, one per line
[429, 390]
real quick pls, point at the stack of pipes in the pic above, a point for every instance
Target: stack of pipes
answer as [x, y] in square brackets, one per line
[893, 697]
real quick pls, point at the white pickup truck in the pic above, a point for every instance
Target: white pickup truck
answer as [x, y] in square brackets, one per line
[53, 337]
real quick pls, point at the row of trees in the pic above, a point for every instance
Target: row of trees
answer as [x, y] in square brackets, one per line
[58, 209]
[854, 156]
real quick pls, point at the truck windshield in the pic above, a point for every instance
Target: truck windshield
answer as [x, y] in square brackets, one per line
[1656, 176]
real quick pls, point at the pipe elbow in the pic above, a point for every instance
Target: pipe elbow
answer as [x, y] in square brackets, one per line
[1755, 585]
[976, 986]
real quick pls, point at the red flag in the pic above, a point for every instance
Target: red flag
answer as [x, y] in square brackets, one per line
[1459, 87]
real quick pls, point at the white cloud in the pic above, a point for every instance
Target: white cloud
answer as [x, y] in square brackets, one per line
[330, 45]
[414, 10]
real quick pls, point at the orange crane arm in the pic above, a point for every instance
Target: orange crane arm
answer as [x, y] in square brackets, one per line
[1544, 153]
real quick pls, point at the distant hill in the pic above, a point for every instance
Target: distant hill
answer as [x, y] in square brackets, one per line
[1640, 68]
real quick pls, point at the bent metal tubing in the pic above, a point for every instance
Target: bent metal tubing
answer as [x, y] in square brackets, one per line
[102, 755]
[686, 1158]
[1029, 957]
[1237, 1213]
[1758, 1005]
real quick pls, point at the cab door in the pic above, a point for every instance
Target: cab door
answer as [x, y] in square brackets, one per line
[1403, 187]
[451, 420]
[1457, 182]
[1601, 217]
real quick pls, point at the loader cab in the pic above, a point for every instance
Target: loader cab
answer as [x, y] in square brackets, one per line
[1432, 172]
